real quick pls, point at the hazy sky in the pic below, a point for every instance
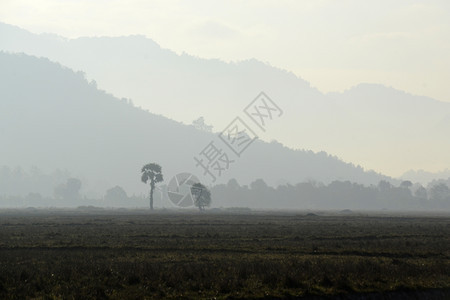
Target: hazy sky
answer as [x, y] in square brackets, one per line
[332, 44]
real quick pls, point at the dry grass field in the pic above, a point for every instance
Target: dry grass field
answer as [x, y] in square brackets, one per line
[137, 255]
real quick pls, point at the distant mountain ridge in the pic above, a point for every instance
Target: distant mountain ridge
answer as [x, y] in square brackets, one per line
[371, 125]
[426, 177]
[53, 118]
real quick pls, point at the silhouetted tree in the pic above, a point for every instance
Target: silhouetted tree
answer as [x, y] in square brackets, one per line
[70, 190]
[201, 125]
[233, 184]
[384, 186]
[440, 194]
[202, 196]
[406, 184]
[151, 173]
[258, 185]
[421, 193]
[116, 195]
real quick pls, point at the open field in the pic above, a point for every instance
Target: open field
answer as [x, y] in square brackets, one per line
[135, 255]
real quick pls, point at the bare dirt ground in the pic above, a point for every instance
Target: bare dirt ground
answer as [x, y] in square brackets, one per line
[119, 254]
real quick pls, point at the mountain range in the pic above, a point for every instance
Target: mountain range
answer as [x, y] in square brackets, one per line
[54, 118]
[375, 126]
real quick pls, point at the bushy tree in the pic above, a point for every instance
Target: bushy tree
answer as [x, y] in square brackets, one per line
[116, 195]
[406, 184]
[258, 185]
[70, 190]
[202, 196]
[384, 186]
[201, 125]
[440, 194]
[421, 193]
[233, 184]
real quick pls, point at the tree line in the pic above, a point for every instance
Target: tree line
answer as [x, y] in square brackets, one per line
[304, 195]
[336, 195]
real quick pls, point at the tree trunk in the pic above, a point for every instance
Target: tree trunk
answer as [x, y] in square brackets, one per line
[152, 187]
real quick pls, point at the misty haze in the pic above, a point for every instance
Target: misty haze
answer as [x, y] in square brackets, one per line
[286, 150]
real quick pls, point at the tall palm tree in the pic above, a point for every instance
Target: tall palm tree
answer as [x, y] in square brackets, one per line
[151, 172]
